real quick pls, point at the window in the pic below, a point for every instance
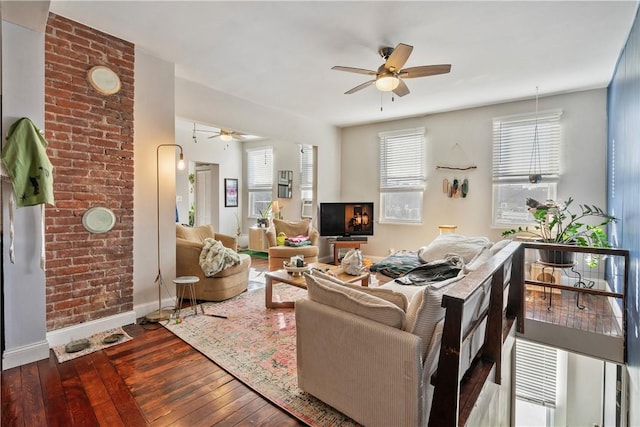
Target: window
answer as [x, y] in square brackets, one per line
[402, 175]
[259, 179]
[306, 172]
[512, 164]
[536, 367]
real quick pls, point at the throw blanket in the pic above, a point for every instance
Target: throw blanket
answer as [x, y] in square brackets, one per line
[297, 241]
[434, 271]
[214, 257]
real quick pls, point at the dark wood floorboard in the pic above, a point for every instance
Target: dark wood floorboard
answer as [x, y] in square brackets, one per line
[156, 379]
[562, 309]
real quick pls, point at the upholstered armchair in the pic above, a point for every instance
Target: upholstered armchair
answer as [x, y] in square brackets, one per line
[279, 254]
[223, 285]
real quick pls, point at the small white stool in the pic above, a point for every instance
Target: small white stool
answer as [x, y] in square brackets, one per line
[186, 283]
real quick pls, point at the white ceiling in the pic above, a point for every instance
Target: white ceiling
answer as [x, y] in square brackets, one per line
[280, 54]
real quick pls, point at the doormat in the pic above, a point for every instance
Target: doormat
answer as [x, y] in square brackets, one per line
[89, 345]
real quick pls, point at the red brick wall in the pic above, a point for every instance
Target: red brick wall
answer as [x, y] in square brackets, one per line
[90, 135]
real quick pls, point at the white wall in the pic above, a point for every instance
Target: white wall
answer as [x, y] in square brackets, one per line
[24, 281]
[583, 175]
[154, 122]
[228, 157]
[203, 105]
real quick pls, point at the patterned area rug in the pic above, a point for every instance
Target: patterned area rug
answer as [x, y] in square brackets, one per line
[258, 346]
[95, 343]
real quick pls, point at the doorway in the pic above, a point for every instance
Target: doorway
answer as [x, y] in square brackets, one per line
[207, 195]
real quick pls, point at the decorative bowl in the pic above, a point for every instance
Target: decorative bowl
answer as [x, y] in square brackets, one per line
[295, 271]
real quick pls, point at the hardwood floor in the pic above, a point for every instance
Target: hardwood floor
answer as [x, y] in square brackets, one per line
[153, 380]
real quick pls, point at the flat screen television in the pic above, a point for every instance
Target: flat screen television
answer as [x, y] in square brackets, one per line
[346, 219]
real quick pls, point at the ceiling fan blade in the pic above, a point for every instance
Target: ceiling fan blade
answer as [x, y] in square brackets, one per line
[402, 89]
[354, 70]
[425, 70]
[213, 136]
[398, 57]
[360, 87]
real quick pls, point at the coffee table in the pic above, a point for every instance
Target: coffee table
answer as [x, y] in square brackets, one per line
[283, 276]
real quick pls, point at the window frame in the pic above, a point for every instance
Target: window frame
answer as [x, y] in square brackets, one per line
[512, 160]
[393, 158]
[259, 186]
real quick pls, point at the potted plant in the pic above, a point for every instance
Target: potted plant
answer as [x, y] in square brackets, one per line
[265, 214]
[557, 224]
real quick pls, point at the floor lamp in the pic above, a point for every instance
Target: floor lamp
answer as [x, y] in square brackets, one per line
[160, 314]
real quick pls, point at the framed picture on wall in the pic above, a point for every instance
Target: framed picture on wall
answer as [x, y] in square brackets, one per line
[230, 192]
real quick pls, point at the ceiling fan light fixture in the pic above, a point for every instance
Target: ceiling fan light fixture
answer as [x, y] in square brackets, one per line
[226, 137]
[387, 82]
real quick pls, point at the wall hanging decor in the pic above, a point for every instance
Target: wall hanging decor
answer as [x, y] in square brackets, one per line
[230, 192]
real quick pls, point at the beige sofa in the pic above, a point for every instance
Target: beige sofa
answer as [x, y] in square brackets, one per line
[371, 353]
[223, 285]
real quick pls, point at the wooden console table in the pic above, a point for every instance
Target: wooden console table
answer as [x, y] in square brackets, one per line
[343, 244]
[258, 239]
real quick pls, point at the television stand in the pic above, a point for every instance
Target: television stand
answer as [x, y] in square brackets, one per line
[338, 244]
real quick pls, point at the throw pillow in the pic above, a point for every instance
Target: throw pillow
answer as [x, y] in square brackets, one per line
[425, 311]
[386, 294]
[355, 302]
[498, 246]
[480, 259]
[292, 228]
[444, 244]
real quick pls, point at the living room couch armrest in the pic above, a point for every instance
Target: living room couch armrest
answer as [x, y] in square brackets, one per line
[227, 241]
[314, 236]
[271, 236]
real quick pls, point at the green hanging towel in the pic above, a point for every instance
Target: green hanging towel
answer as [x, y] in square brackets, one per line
[25, 158]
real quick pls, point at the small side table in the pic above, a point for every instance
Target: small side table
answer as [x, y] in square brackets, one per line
[186, 283]
[343, 244]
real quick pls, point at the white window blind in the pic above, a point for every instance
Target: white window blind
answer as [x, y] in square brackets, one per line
[259, 180]
[402, 175]
[513, 154]
[514, 159]
[402, 160]
[306, 167]
[260, 169]
[536, 367]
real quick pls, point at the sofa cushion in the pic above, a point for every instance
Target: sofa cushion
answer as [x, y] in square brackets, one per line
[396, 298]
[466, 247]
[194, 234]
[354, 301]
[425, 311]
[292, 228]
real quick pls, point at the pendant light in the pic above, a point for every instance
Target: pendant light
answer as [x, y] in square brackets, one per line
[535, 175]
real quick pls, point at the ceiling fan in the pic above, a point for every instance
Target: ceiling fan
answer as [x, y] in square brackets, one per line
[388, 77]
[228, 135]
[224, 134]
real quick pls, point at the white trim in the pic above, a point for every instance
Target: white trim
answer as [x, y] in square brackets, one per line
[23, 355]
[86, 329]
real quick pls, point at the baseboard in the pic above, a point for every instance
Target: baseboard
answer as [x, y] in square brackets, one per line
[84, 330]
[24, 355]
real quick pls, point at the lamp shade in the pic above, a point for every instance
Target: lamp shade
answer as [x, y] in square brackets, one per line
[387, 82]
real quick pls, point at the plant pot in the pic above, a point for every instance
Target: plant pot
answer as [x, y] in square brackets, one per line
[553, 257]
